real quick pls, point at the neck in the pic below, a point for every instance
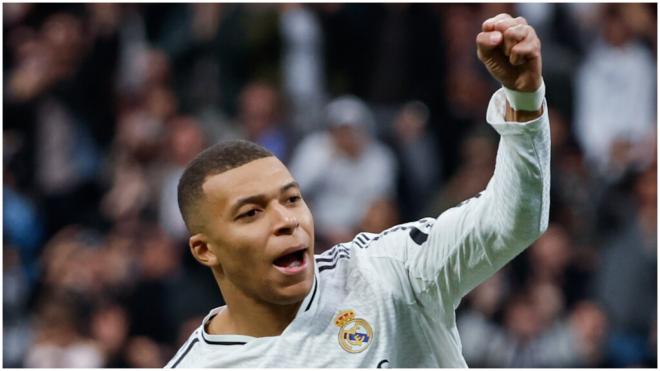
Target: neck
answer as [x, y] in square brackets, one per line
[245, 315]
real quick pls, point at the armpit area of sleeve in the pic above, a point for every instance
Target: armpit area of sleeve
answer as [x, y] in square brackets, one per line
[496, 117]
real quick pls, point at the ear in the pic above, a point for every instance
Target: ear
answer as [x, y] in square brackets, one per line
[200, 249]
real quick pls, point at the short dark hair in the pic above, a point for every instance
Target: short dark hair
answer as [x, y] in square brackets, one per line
[216, 159]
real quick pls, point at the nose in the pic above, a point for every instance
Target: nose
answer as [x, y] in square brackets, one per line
[286, 221]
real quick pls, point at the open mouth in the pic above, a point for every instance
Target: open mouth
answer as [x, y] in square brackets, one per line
[291, 263]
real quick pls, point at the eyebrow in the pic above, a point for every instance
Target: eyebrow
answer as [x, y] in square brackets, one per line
[260, 198]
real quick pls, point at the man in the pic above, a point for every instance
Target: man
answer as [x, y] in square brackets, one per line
[385, 300]
[343, 170]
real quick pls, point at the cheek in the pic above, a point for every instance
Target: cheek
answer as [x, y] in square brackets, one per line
[242, 249]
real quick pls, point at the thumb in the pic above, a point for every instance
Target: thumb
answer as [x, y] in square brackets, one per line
[487, 42]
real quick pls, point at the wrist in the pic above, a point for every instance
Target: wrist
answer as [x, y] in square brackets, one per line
[525, 101]
[513, 115]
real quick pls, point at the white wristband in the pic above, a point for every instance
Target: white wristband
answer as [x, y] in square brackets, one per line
[525, 100]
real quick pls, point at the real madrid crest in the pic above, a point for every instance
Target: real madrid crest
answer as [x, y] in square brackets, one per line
[355, 334]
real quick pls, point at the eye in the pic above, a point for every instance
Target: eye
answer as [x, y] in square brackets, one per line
[248, 214]
[294, 199]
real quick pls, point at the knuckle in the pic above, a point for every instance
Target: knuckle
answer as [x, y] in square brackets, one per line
[531, 30]
[521, 20]
[514, 32]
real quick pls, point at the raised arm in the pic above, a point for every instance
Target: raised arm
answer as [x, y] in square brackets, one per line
[475, 239]
[444, 258]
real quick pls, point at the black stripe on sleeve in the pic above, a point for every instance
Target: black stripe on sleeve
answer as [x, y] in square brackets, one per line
[418, 236]
[192, 343]
[339, 257]
[337, 250]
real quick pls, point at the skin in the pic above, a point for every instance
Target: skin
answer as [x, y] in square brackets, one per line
[240, 244]
[240, 241]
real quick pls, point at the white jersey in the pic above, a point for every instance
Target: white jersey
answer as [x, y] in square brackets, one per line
[389, 299]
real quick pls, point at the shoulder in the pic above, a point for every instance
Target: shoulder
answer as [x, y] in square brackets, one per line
[367, 249]
[335, 257]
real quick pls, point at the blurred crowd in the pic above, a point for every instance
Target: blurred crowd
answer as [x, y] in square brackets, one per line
[378, 109]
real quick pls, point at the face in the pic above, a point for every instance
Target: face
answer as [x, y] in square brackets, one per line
[258, 233]
[348, 140]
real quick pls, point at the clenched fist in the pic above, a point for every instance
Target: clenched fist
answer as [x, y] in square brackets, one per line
[511, 51]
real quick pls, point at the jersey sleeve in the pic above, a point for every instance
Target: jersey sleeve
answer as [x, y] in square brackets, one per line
[451, 254]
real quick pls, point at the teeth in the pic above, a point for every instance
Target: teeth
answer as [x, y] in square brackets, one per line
[295, 264]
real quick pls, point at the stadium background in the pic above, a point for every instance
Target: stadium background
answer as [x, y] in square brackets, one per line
[104, 104]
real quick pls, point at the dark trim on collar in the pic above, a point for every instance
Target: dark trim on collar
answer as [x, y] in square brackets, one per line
[222, 342]
[311, 300]
[192, 343]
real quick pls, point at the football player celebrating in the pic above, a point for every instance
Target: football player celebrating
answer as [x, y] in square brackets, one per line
[380, 300]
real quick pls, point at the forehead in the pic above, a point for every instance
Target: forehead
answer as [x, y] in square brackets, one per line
[260, 176]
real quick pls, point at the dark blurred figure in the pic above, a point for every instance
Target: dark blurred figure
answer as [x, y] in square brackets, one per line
[626, 282]
[260, 116]
[15, 311]
[58, 339]
[184, 140]
[109, 326]
[533, 332]
[386, 53]
[158, 260]
[476, 166]
[419, 159]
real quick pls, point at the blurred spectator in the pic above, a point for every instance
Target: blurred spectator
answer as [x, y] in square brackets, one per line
[208, 46]
[58, 342]
[23, 228]
[526, 338]
[475, 169]
[109, 327]
[550, 255]
[343, 169]
[185, 140]
[260, 116]
[627, 278]
[302, 66]
[616, 62]
[380, 215]
[143, 352]
[16, 290]
[419, 161]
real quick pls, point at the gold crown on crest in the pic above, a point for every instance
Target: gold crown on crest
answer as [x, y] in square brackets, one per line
[344, 317]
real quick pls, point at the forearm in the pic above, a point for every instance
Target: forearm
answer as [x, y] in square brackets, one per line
[519, 189]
